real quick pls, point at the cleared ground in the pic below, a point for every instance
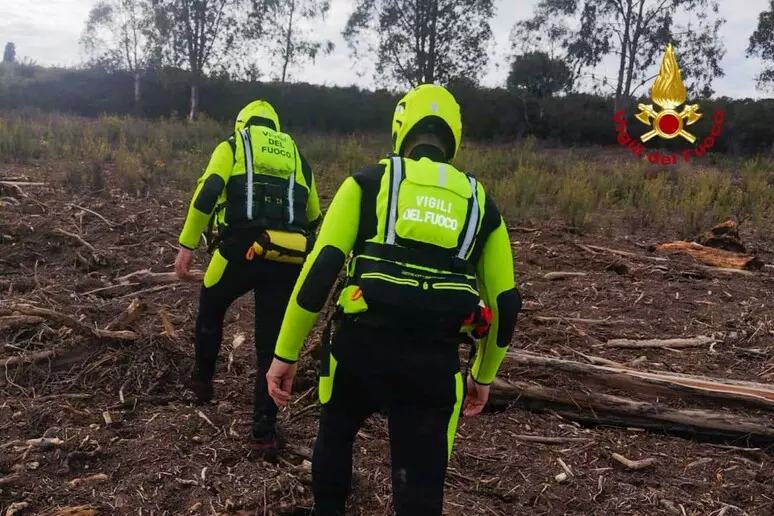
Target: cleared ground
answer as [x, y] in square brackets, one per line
[115, 407]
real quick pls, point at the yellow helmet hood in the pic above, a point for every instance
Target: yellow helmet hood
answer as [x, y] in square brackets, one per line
[257, 109]
[428, 106]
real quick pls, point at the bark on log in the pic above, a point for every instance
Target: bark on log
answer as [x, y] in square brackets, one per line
[659, 343]
[711, 255]
[723, 236]
[727, 392]
[604, 409]
[17, 321]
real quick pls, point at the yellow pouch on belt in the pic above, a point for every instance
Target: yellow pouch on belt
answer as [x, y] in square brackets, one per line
[280, 246]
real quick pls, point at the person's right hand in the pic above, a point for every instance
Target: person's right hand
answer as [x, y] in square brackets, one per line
[476, 398]
[183, 264]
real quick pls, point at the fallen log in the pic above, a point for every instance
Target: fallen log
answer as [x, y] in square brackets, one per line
[711, 255]
[10, 322]
[553, 276]
[80, 510]
[580, 320]
[659, 343]
[604, 409]
[626, 254]
[74, 323]
[729, 392]
[146, 278]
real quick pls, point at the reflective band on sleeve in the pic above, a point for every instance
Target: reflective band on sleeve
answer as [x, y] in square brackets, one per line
[397, 173]
[472, 221]
[249, 170]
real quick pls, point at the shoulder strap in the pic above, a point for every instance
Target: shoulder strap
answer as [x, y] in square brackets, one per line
[396, 177]
[248, 171]
[470, 231]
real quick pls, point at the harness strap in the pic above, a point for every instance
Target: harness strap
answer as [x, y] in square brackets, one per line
[249, 170]
[396, 178]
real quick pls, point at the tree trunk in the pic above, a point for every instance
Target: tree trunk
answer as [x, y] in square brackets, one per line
[288, 43]
[194, 100]
[635, 39]
[431, 53]
[622, 64]
[136, 90]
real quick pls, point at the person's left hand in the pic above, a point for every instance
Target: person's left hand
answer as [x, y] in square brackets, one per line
[279, 380]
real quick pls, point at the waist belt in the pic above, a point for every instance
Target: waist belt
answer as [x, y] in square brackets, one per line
[426, 257]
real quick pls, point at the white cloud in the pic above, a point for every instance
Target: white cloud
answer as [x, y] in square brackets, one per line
[47, 31]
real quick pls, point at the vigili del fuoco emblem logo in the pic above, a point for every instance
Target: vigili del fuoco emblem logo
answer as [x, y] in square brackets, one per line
[668, 122]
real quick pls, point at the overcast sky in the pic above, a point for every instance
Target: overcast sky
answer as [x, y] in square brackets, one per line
[47, 31]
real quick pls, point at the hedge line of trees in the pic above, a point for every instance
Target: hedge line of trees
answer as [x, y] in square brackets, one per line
[489, 114]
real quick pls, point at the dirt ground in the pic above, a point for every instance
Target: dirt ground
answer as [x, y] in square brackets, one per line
[116, 407]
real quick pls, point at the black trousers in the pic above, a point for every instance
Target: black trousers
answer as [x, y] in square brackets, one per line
[419, 389]
[225, 281]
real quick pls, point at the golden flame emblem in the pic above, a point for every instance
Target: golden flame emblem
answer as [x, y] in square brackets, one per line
[668, 92]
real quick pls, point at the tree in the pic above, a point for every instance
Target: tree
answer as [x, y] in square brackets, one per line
[204, 35]
[290, 44]
[116, 37]
[761, 45]
[637, 32]
[422, 41]
[539, 75]
[9, 54]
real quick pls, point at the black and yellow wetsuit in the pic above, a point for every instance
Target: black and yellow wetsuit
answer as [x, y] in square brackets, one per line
[265, 195]
[395, 345]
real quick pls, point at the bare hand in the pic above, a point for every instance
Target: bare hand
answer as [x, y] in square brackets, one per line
[183, 264]
[476, 398]
[279, 380]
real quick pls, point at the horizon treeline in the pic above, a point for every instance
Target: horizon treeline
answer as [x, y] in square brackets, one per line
[184, 58]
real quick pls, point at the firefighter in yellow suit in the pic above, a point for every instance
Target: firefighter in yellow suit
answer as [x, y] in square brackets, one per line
[261, 193]
[426, 245]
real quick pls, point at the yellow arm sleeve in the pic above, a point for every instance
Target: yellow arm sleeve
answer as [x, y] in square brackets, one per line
[209, 188]
[498, 287]
[313, 211]
[318, 275]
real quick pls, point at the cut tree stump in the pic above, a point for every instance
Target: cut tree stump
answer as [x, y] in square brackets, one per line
[604, 409]
[710, 255]
[128, 316]
[727, 392]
